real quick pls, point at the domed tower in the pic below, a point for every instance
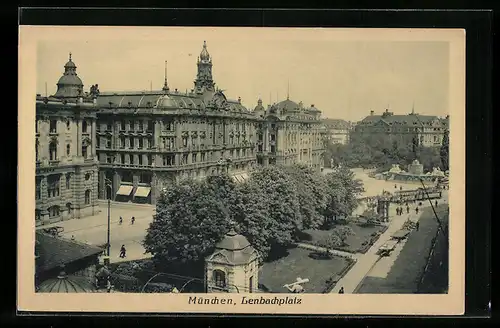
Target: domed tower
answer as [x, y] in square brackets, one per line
[204, 81]
[233, 267]
[69, 85]
[259, 110]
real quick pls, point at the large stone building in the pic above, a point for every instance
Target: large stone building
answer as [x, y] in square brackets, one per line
[65, 147]
[147, 140]
[337, 130]
[428, 130]
[289, 133]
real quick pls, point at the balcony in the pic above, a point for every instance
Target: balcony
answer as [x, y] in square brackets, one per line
[54, 162]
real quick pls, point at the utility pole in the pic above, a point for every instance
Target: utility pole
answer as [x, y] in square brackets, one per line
[108, 184]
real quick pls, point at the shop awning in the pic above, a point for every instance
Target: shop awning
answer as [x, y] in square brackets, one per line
[142, 192]
[125, 190]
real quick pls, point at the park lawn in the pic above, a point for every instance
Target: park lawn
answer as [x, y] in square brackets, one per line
[408, 268]
[354, 242]
[273, 275]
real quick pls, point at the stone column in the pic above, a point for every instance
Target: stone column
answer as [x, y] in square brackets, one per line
[156, 134]
[78, 137]
[116, 184]
[154, 188]
[102, 185]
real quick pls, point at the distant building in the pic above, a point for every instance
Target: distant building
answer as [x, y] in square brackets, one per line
[64, 265]
[337, 130]
[428, 130]
[65, 150]
[289, 133]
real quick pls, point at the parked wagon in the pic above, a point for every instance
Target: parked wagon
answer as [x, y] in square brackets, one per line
[387, 248]
[54, 231]
[400, 234]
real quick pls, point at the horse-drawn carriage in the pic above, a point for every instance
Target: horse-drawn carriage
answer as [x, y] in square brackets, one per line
[387, 248]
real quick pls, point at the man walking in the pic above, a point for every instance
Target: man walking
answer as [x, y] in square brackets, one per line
[123, 251]
[132, 220]
[407, 209]
[416, 210]
[341, 290]
[417, 225]
[121, 220]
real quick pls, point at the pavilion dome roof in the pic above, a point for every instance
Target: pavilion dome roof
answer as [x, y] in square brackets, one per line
[69, 85]
[64, 283]
[233, 242]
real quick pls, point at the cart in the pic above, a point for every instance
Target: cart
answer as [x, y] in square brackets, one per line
[54, 231]
[387, 248]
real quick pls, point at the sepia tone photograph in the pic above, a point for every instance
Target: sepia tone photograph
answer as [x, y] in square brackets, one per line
[252, 169]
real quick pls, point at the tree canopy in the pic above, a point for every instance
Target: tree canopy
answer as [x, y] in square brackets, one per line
[270, 209]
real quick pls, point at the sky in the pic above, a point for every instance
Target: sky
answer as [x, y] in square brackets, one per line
[343, 77]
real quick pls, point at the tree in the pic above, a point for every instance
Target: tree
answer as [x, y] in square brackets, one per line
[311, 193]
[268, 211]
[342, 233]
[444, 151]
[190, 219]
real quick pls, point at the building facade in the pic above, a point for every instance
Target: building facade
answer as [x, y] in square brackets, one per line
[148, 140]
[337, 130]
[65, 148]
[289, 133]
[428, 130]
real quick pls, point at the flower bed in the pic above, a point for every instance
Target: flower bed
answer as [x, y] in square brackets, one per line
[332, 281]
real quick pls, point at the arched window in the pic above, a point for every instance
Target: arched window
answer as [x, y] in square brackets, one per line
[68, 149]
[53, 151]
[84, 126]
[219, 278]
[87, 196]
[84, 151]
[68, 180]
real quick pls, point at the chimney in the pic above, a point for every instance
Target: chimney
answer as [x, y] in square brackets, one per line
[239, 100]
[371, 113]
[312, 105]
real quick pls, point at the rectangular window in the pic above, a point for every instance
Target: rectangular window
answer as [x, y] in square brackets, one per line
[170, 143]
[193, 141]
[108, 159]
[141, 126]
[140, 159]
[122, 125]
[109, 126]
[184, 141]
[184, 159]
[150, 126]
[273, 149]
[140, 143]
[131, 125]
[194, 157]
[148, 160]
[84, 151]
[122, 142]
[108, 142]
[202, 157]
[53, 126]
[122, 158]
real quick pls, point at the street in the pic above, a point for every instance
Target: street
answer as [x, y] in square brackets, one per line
[93, 229]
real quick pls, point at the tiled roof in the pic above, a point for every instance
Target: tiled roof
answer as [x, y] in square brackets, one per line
[410, 120]
[334, 123]
[55, 251]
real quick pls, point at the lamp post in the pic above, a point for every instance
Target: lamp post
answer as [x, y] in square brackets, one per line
[109, 184]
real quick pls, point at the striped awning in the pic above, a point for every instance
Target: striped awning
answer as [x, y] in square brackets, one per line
[142, 192]
[125, 190]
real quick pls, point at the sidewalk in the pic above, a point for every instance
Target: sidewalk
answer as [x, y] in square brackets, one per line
[366, 262]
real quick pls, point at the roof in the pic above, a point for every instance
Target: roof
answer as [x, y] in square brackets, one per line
[66, 284]
[55, 251]
[160, 100]
[287, 105]
[405, 120]
[233, 241]
[334, 123]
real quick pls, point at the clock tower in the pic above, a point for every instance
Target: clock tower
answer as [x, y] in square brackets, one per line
[204, 81]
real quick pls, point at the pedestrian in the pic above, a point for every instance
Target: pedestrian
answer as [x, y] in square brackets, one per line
[416, 210]
[419, 203]
[132, 220]
[121, 220]
[400, 187]
[417, 225]
[72, 237]
[395, 186]
[341, 290]
[407, 209]
[123, 251]
[436, 203]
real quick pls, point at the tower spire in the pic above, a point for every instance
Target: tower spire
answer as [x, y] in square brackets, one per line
[70, 56]
[288, 90]
[413, 107]
[165, 85]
